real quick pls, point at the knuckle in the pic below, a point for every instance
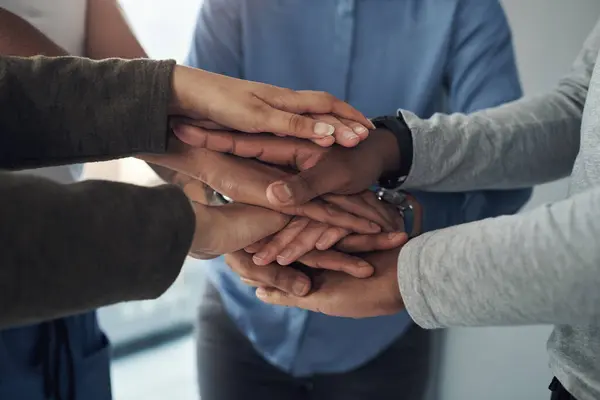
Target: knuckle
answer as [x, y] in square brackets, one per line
[297, 223]
[282, 219]
[282, 98]
[274, 275]
[295, 123]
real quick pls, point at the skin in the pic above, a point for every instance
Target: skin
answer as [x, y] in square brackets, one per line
[247, 221]
[200, 98]
[378, 154]
[329, 292]
[246, 181]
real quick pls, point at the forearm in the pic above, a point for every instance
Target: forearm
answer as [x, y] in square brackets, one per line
[108, 34]
[517, 145]
[90, 110]
[535, 268]
[70, 248]
[19, 38]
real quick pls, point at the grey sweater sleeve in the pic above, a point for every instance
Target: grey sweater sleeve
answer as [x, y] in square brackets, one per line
[535, 268]
[538, 267]
[520, 144]
[70, 248]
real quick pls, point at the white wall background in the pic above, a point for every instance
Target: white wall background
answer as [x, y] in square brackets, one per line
[511, 363]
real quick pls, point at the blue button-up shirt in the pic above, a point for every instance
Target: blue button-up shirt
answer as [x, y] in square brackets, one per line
[378, 55]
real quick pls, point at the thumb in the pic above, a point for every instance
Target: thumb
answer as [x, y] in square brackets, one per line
[306, 185]
[229, 228]
[278, 297]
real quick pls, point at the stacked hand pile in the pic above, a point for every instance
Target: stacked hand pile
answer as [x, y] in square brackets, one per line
[296, 199]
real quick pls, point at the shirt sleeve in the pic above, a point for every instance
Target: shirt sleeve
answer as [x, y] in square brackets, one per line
[217, 42]
[481, 72]
[89, 110]
[539, 267]
[520, 144]
[72, 248]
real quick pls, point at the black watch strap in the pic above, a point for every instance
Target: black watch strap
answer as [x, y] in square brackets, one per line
[403, 135]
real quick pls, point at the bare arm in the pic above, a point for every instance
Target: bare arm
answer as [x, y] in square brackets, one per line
[19, 38]
[108, 33]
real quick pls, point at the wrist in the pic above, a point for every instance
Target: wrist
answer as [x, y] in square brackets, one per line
[179, 104]
[395, 295]
[399, 156]
[390, 154]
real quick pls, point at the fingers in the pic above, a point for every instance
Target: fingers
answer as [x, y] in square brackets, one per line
[303, 102]
[369, 243]
[255, 247]
[324, 177]
[343, 134]
[356, 127]
[296, 125]
[334, 216]
[336, 261]
[296, 153]
[389, 211]
[286, 279]
[299, 237]
[375, 211]
[269, 252]
[303, 242]
[324, 103]
[278, 297]
[330, 237]
[232, 227]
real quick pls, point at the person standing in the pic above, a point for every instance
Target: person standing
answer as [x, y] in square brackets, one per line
[46, 359]
[421, 55]
[69, 357]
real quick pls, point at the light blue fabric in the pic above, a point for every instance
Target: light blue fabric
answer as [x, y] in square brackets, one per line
[379, 55]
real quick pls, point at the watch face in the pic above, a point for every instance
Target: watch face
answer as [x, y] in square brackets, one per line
[217, 199]
[392, 196]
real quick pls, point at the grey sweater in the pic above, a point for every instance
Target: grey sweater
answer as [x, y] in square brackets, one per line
[70, 248]
[538, 267]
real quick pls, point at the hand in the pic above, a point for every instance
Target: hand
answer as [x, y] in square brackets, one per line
[221, 230]
[303, 235]
[355, 169]
[338, 294]
[290, 279]
[246, 181]
[217, 101]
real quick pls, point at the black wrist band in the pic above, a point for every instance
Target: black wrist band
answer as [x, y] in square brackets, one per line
[404, 139]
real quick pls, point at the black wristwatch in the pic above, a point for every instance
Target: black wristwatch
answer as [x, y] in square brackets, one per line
[403, 135]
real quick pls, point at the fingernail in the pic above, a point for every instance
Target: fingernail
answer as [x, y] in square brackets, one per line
[376, 228]
[363, 264]
[322, 243]
[285, 254]
[348, 135]
[394, 235]
[360, 130]
[323, 129]
[300, 287]
[261, 293]
[259, 258]
[282, 192]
